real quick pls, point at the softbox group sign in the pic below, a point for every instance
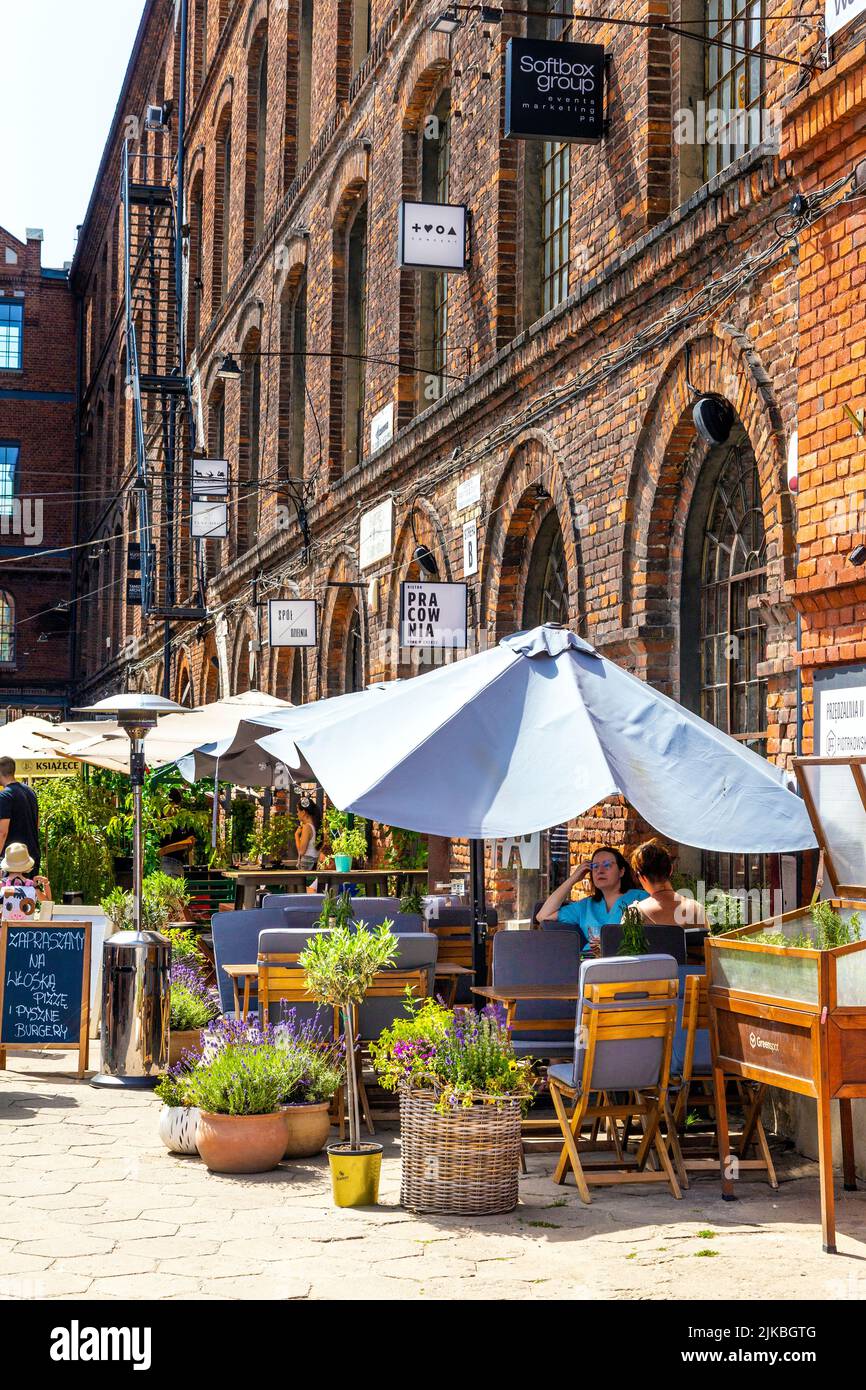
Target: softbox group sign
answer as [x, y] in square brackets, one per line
[554, 91]
[432, 615]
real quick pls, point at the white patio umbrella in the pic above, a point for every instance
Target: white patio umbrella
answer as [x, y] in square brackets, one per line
[105, 744]
[535, 732]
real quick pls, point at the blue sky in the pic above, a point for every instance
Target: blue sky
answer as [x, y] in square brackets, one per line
[64, 62]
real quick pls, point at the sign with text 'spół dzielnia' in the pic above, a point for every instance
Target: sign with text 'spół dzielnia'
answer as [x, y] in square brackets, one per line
[292, 622]
[432, 614]
[554, 91]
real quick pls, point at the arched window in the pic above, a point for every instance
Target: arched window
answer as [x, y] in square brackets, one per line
[360, 32]
[221, 210]
[723, 636]
[356, 338]
[257, 118]
[196, 262]
[297, 691]
[435, 179]
[354, 655]
[293, 378]
[305, 82]
[201, 44]
[249, 444]
[7, 629]
[546, 595]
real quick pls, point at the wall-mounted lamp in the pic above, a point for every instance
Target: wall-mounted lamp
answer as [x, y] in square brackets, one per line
[858, 555]
[229, 369]
[447, 22]
[426, 561]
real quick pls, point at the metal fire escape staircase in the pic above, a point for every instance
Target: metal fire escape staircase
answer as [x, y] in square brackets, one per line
[159, 391]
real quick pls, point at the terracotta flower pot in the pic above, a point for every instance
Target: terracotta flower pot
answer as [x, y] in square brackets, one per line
[309, 1127]
[242, 1143]
[181, 1040]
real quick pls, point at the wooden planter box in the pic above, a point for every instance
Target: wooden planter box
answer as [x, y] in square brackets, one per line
[795, 1017]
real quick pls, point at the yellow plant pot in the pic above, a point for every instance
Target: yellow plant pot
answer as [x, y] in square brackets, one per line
[355, 1174]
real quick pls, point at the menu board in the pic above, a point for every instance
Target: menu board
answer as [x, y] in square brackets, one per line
[45, 987]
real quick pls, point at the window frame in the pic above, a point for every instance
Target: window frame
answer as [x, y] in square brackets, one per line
[10, 302]
[14, 471]
[7, 602]
[726, 69]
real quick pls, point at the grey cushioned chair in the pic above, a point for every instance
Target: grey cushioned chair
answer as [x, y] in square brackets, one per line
[293, 901]
[418, 952]
[539, 958]
[662, 941]
[281, 979]
[624, 1030]
[236, 942]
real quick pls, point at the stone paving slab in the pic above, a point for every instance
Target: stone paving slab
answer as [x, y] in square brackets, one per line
[92, 1206]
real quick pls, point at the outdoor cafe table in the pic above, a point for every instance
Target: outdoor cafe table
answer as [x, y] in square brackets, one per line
[512, 995]
[242, 977]
[295, 880]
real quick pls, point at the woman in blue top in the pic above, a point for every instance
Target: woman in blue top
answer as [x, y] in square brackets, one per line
[612, 889]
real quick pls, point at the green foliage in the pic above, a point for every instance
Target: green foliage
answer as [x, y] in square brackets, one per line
[341, 965]
[633, 942]
[76, 855]
[243, 818]
[337, 909]
[184, 945]
[321, 1058]
[170, 893]
[406, 849]
[828, 930]
[274, 841]
[189, 1008]
[462, 1058]
[117, 906]
[245, 1079]
[173, 1089]
[412, 900]
[724, 911]
[343, 839]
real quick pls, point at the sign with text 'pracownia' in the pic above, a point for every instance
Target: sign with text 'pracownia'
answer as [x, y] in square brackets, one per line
[432, 615]
[554, 91]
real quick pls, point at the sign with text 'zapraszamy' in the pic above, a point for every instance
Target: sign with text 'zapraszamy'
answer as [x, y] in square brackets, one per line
[554, 91]
[292, 622]
[45, 987]
[433, 615]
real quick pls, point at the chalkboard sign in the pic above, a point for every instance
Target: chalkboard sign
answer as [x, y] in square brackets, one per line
[45, 987]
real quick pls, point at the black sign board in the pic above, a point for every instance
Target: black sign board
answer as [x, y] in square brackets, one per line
[45, 987]
[133, 558]
[554, 91]
[133, 592]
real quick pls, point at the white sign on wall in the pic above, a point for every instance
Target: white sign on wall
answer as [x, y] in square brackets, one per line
[209, 521]
[843, 721]
[469, 492]
[840, 12]
[470, 548]
[382, 428]
[210, 477]
[432, 236]
[376, 534]
[432, 615]
[292, 622]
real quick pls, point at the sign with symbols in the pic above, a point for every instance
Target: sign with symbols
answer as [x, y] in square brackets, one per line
[376, 534]
[210, 477]
[433, 615]
[554, 91]
[470, 548]
[45, 987]
[432, 236]
[292, 622]
[209, 520]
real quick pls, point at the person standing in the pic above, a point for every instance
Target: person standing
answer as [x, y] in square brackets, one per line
[19, 813]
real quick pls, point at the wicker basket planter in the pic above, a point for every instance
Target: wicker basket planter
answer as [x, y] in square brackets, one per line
[465, 1162]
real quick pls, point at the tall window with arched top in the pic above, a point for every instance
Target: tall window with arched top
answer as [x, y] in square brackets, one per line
[293, 378]
[258, 122]
[435, 185]
[7, 629]
[221, 210]
[201, 45]
[249, 445]
[355, 310]
[546, 594]
[306, 15]
[354, 655]
[360, 32]
[196, 260]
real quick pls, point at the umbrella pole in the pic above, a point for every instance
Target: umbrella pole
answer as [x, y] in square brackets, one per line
[479, 910]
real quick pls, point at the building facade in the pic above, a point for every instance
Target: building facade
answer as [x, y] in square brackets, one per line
[38, 485]
[542, 395]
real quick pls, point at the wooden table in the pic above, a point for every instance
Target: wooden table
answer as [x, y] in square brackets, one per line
[295, 880]
[512, 995]
[242, 976]
[451, 972]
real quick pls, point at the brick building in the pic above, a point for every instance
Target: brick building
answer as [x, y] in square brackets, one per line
[607, 283]
[37, 478]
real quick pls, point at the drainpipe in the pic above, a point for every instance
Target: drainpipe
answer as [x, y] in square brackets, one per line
[76, 526]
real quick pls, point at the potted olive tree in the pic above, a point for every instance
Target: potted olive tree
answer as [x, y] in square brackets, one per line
[340, 966]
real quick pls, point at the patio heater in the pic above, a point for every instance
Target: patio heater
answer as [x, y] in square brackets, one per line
[135, 964]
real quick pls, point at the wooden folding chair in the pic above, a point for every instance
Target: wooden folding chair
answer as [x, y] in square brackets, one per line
[696, 1071]
[625, 1037]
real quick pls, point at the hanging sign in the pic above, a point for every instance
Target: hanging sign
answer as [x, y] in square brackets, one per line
[376, 534]
[470, 548]
[46, 767]
[432, 236]
[209, 520]
[469, 492]
[44, 986]
[133, 557]
[382, 428]
[292, 622]
[554, 91]
[210, 477]
[133, 593]
[433, 615]
[838, 13]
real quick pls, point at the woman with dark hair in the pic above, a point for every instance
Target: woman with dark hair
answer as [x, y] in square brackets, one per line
[611, 890]
[663, 905]
[307, 833]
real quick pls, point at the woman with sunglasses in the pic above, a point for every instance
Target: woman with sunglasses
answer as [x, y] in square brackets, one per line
[612, 889]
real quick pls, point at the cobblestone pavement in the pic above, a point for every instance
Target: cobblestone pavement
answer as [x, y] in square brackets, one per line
[92, 1206]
